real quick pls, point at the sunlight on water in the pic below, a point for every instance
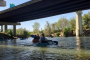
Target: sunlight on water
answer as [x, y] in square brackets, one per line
[70, 48]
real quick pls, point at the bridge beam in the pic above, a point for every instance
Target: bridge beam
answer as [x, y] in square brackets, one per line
[79, 30]
[9, 23]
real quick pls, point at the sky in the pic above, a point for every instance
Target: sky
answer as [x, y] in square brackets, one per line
[42, 21]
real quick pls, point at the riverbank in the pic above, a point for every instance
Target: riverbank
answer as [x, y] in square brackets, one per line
[5, 36]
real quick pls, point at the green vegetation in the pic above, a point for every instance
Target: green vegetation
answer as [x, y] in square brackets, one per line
[19, 32]
[86, 21]
[57, 34]
[47, 29]
[36, 27]
[22, 32]
[56, 27]
[65, 32]
[72, 24]
[10, 32]
[26, 33]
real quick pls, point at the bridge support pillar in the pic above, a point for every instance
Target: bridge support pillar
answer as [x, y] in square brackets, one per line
[14, 28]
[5, 28]
[79, 30]
[1, 28]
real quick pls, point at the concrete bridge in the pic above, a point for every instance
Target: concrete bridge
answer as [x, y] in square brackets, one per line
[36, 9]
[8, 23]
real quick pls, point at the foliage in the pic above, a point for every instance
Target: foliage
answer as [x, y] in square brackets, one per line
[52, 32]
[57, 34]
[66, 31]
[26, 33]
[47, 29]
[41, 31]
[85, 27]
[56, 26]
[36, 27]
[62, 23]
[20, 31]
[72, 24]
[10, 32]
[86, 20]
[53, 27]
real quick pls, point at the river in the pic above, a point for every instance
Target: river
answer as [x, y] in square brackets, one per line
[69, 48]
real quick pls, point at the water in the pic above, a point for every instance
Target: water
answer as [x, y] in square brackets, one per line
[70, 48]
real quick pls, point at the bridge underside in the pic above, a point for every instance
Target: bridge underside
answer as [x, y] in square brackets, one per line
[44, 8]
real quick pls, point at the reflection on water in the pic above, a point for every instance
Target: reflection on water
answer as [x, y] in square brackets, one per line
[70, 48]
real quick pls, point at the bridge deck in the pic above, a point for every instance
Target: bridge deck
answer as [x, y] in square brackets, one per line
[41, 9]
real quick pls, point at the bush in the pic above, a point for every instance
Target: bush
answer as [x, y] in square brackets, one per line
[26, 33]
[57, 34]
[65, 32]
[10, 32]
[52, 32]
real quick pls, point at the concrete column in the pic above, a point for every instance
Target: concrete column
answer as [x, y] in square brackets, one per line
[1, 28]
[14, 29]
[5, 28]
[79, 30]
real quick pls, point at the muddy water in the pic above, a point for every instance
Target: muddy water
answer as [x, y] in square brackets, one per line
[70, 48]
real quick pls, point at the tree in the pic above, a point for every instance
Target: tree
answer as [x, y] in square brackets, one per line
[10, 32]
[72, 23]
[26, 33]
[53, 27]
[36, 27]
[86, 20]
[66, 31]
[56, 26]
[62, 23]
[47, 29]
[41, 31]
[20, 31]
